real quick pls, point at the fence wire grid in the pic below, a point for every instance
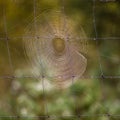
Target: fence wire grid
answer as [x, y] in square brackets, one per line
[101, 77]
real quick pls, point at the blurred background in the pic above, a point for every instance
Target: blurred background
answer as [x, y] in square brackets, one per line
[93, 95]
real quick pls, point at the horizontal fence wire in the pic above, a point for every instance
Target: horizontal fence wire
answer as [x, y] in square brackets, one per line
[76, 38]
[33, 77]
[57, 116]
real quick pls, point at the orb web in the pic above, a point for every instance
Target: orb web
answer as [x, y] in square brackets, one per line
[54, 50]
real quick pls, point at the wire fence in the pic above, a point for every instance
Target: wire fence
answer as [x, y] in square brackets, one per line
[100, 77]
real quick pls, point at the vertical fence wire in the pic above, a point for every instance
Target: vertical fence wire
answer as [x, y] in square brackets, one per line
[41, 76]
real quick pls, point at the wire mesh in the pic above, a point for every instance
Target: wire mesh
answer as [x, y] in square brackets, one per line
[101, 77]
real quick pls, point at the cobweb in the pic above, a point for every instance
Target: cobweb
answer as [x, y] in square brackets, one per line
[40, 32]
[57, 64]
